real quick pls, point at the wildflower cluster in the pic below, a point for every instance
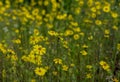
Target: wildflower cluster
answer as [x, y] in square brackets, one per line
[59, 40]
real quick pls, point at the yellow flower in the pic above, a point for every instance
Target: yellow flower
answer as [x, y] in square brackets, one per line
[20, 1]
[49, 25]
[76, 36]
[88, 76]
[90, 3]
[74, 24]
[34, 39]
[90, 37]
[24, 58]
[82, 33]
[98, 5]
[84, 46]
[93, 9]
[62, 17]
[115, 80]
[106, 33]
[68, 32]
[17, 41]
[89, 66]
[65, 67]
[105, 66]
[40, 3]
[72, 65]
[57, 61]
[98, 22]
[36, 59]
[33, 80]
[93, 15]
[14, 57]
[118, 46]
[16, 31]
[55, 73]
[106, 8]
[83, 52]
[40, 71]
[1, 4]
[38, 49]
[70, 17]
[36, 32]
[52, 33]
[10, 52]
[114, 15]
[43, 12]
[77, 29]
[35, 11]
[115, 27]
[46, 3]
[3, 73]
[65, 44]
[2, 48]
[15, 81]
[77, 11]
[81, 2]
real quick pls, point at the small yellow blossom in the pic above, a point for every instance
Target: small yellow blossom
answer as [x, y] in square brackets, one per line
[105, 66]
[38, 49]
[36, 32]
[90, 37]
[46, 3]
[84, 46]
[34, 39]
[106, 33]
[2, 48]
[68, 32]
[88, 76]
[106, 8]
[57, 61]
[40, 71]
[76, 36]
[65, 67]
[52, 33]
[17, 41]
[114, 15]
[33, 80]
[98, 22]
[93, 9]
[83, 52]
[72, 65]
[77, 29]
[3, 73]
[115, 27]
[89, 66]
[24, 58]
[55, 73]
[118, 46]
[20, 1]
[16, 31]
[74, 24]
[115, 80]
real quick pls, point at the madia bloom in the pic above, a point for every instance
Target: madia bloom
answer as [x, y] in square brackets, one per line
[40, 71]
[104, 65]
[106, 8]
[38, 49]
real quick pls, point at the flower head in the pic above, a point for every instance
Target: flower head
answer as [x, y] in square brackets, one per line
[104, 65]
[40, 71]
